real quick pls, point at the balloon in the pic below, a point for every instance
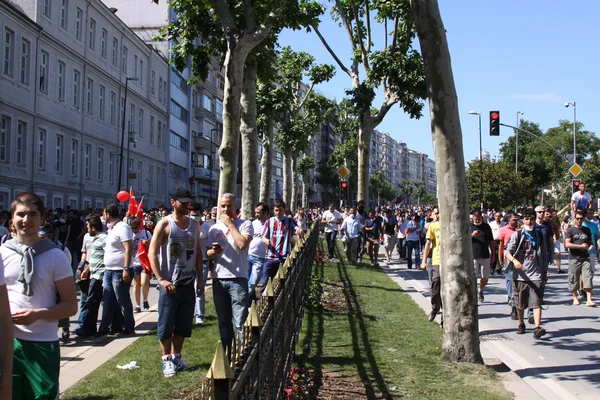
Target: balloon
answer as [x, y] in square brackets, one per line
[122, 196]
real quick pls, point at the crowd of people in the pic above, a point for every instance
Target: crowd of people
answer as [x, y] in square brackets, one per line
[47, 256]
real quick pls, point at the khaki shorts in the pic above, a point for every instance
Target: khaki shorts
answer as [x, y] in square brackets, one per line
[482, 267]
[528, 294]
[389, 241]
[581, 269]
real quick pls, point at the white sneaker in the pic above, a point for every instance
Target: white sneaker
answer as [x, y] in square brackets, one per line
[169, 368]
[199, 321]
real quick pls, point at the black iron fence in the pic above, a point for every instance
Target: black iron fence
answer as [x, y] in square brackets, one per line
[260, 369]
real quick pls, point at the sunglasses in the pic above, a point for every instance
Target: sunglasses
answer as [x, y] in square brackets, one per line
[578, 219]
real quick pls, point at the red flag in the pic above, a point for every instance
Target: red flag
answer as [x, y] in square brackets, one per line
[191, 179]
[140, 214]
[142, 255]
[132, 203]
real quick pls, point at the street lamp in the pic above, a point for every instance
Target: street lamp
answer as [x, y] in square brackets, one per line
[480, 161]
[130, 139]
[517, 143]
[574, 104]
[127, 79]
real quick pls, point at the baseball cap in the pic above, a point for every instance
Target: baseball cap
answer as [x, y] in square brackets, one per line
[540, 208]
[182, 195]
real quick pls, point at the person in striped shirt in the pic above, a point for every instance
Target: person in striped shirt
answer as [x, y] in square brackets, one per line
[278, 236]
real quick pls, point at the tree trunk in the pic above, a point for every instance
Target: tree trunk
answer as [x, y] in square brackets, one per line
[305, 185]
[228, 151]
[365, 131]
[287, 176]
[266, 160]
[294, 172]
[459, 284]
[249, 140]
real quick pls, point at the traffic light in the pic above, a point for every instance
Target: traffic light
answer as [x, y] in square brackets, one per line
[344, 189]
[576, 183]
[494, 123]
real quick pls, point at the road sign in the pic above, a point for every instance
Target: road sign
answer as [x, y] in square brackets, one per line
[575, 170]
[343, 172]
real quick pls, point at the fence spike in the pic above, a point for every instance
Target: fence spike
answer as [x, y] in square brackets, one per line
[280, 273]
[269, 289]
[220, 369]
[253, 320]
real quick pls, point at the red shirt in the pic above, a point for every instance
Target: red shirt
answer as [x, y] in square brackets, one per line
[505, 233]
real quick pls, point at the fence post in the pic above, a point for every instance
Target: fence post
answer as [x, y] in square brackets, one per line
[220, 374]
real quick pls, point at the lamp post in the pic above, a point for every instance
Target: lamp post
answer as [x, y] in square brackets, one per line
[517, 143]
[480, 161]
[130, 139]
[127, 79]
[574, 104]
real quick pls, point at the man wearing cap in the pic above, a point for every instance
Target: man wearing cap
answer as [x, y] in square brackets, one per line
[484, 251]
[177, 240]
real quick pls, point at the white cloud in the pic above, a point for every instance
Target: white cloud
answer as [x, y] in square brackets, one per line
[547, 97]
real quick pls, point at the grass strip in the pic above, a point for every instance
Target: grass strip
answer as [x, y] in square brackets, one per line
[380, 337]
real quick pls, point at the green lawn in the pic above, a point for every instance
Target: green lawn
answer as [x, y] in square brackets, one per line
[380, 337]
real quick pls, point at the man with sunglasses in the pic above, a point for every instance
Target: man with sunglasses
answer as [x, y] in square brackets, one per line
[579, 241]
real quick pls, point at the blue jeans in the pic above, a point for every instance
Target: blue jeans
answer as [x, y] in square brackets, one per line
[410, 246]
[88, 316]
[201, 300]
[269, 270]
[508, 277]
[117, 309]
[330, 238]
[255, 266]
[231, 299]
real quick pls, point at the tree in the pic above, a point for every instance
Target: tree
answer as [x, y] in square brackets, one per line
[394, 67]
[459, 284]
[503, 188]
[406, 190]
[381, 187]
[306, 164]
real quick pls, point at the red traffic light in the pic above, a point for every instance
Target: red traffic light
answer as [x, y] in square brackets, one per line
[495, 115]
[344, 185]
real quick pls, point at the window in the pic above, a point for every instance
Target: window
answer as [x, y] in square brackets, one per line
[86, 160]
[178, 81]
[43, 72]
[278, 156]
[99, 165]
[165, 92]
[141, 75]
[121, 111]
[219, 109]
[152, 129]
[194, 98]
[110, 168]
[124, 60]
[92, 38]
[103, 43]
[141, 123]
[89, 104]
[220, 82]
[178, 142]
[151, 178]
[131, 124]
[64, 6]
[152, 84]
[58, 152]
[178, 111]
[74, 153]
[135, 66]
[139, 176]
[115, 48]
[113, 100]
[21, 143]
[76, 88]
[160, 89]
[9, 44]
[101, 102]
[47, 8]
[278, 171]
[41, 150]
[159, 134]
[78, 18]
[4, 136]
[25, 50]
[207, 103]
[60, 84]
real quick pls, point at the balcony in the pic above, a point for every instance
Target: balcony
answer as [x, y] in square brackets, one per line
[205, 174]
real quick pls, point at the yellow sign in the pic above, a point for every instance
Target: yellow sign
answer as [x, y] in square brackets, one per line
[575, 170]
[343, 172]
[133, 175]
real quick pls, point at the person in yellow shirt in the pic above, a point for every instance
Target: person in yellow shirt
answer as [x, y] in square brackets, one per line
[433, 246]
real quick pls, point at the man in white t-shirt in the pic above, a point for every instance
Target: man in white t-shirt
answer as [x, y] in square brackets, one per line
[6, 340]
[331, 218]
[35, 270]
[581, 199]
[227, 245]
[117, 310]
[257, 249]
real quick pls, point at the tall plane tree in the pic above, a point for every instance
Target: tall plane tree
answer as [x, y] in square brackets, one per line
[395, 68]
[459, 284]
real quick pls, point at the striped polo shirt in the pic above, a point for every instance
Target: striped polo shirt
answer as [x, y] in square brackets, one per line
[279, 233]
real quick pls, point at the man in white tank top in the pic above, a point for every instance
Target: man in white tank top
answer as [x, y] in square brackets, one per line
[177, 241]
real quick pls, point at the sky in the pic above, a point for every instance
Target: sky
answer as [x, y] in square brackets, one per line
[507, 55]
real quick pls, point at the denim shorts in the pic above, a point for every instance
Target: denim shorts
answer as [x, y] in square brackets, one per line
[176, 312]
[137, 270]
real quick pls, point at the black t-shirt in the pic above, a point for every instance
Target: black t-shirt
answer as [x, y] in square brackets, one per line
[482, 241]
[579, 236]
[76, 229]
[376, 225]
[61, 229]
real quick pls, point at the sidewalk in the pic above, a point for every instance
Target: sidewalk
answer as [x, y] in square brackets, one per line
[565, 364]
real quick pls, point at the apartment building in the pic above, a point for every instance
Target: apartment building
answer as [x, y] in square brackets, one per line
[65, 68]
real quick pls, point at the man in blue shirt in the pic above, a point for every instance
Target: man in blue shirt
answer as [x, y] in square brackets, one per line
[351, 227]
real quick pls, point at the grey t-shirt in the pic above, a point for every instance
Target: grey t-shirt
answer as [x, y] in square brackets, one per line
[521, 248]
